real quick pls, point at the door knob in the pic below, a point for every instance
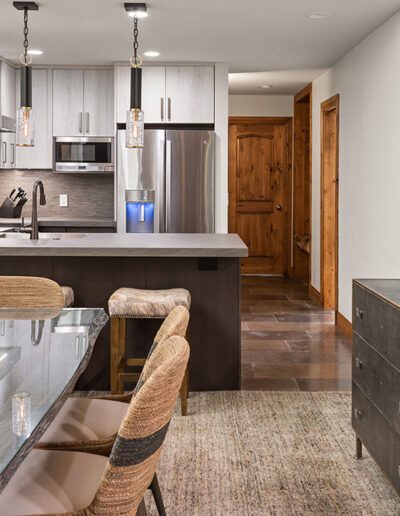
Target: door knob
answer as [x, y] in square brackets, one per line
[278, 207]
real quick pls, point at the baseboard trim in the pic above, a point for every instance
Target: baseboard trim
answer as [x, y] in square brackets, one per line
[314, 294]
[344, 324]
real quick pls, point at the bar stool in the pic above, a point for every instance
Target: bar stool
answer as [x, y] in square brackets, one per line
[132, 303]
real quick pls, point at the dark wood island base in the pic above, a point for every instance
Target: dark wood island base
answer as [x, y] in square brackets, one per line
[214, 329]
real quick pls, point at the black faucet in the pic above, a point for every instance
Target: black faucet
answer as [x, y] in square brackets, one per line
[35, 225]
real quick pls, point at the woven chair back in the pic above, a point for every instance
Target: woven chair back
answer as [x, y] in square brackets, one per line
[136, 451]
[30, 292]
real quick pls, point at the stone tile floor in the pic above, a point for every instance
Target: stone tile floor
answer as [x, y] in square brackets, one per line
[289, 343]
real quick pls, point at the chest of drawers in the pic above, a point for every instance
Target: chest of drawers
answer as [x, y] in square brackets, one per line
[376, 373]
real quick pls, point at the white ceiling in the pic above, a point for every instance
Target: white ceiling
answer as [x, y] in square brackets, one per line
[252, 35]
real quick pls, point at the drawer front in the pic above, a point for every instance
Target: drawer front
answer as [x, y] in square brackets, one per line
[378, 379]
[377, 435]
[377, 322]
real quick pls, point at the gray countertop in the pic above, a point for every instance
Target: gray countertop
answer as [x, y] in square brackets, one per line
[61, 222]
[111, 244]
[388, 289]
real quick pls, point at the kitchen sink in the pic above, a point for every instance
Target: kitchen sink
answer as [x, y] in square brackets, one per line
[42, 236]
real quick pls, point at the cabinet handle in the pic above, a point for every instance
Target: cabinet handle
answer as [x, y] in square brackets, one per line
[162, 109]
[169, 109]
[13, 154]
[5, 153]
[80, 122]
[359, 363]
[87, 122]
[359, 313]
[357, 413]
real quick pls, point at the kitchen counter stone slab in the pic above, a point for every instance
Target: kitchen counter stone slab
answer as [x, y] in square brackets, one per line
[123, 245]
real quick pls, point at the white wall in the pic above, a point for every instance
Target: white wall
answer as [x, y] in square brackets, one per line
[367, 80]
[260, 105]
[221, 147]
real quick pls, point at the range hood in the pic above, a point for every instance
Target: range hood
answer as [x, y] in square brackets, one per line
[7, 124]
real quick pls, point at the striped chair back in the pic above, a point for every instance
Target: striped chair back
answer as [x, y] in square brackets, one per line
[30, 292]
[137, 448]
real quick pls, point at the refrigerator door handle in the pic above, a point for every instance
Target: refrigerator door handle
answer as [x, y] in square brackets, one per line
[168, 158]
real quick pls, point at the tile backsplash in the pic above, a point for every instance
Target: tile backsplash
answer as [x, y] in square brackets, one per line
[89, 196]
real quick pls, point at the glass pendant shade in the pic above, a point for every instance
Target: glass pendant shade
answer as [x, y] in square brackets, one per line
[134, 128]
[25, 131]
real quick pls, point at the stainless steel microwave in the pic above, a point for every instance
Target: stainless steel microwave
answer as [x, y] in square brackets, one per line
[84, 154]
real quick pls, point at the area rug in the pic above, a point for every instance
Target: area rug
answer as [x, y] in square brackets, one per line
[269, 453]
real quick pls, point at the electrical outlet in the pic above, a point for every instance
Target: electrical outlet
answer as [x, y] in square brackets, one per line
[64, 200]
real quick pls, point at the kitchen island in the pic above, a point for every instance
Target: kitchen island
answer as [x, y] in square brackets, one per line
[95, 265]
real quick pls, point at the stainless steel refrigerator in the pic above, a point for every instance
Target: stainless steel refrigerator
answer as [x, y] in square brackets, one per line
[179, 166]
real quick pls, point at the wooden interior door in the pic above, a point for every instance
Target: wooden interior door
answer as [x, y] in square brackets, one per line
[259, 163]
[329, 201]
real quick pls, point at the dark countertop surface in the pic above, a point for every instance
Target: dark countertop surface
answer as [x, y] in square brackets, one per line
[61, 222]
[388, 289]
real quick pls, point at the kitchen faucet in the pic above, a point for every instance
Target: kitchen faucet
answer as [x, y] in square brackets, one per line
[35, 225]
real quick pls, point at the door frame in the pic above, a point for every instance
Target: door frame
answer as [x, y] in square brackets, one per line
[255, 120]
[331, 104]
[299, 99]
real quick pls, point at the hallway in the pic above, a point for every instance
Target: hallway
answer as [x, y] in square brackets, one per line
[289, 343]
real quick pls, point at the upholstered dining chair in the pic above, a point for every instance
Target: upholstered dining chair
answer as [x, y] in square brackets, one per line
[82, 484]
[91, 424]
[32, 292]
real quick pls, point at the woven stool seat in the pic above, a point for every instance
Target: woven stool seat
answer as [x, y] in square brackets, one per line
[147, 304]
[68, 294]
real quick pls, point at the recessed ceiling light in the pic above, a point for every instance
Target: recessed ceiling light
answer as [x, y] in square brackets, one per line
[135, 10]
[265, 86]
[151, 53]
[35, 52]
[318, 15]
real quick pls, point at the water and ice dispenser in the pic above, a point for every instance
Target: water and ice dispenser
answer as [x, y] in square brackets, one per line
[139, 211]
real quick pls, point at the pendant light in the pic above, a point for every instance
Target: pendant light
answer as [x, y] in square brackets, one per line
[135, 115]
[25, 131]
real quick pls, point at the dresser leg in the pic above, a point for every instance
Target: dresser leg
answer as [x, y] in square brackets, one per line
[358, 448]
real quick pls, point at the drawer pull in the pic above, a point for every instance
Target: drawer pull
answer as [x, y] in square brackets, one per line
[357, 413]
[359, 363]
[359, 313]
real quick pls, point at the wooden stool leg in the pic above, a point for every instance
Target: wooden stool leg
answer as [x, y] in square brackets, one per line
[114, 351]
[141, 511]
[121, 353]
[155, 489]
[184, 393]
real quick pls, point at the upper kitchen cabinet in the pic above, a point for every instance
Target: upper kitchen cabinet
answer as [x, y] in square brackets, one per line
[7, 90]
[83, 102]
[170, 94]
[190, 94]
[153, 93]
[39, 156]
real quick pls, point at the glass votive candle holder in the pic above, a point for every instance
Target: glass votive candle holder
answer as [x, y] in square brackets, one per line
[21, 413]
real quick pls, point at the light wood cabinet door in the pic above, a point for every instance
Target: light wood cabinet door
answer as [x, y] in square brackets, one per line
[39, 156]
[98, 102]
[68, 119]
[190, 94]
[7, 90]
[153, 93]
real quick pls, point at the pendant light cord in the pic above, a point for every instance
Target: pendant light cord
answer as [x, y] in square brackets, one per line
[136, 60]
[26, 32]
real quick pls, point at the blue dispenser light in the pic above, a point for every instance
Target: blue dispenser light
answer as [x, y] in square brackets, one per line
[139, 211]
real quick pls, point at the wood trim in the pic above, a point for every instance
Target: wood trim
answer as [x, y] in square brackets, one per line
[314, 294]
[298, 99]
[259, 120]
[307, 90]
[344, 324]
[326, 106]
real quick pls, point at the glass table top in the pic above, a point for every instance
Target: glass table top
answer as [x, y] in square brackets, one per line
[42, 354]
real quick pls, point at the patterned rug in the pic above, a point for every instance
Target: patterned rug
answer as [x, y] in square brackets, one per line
[269, 453]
